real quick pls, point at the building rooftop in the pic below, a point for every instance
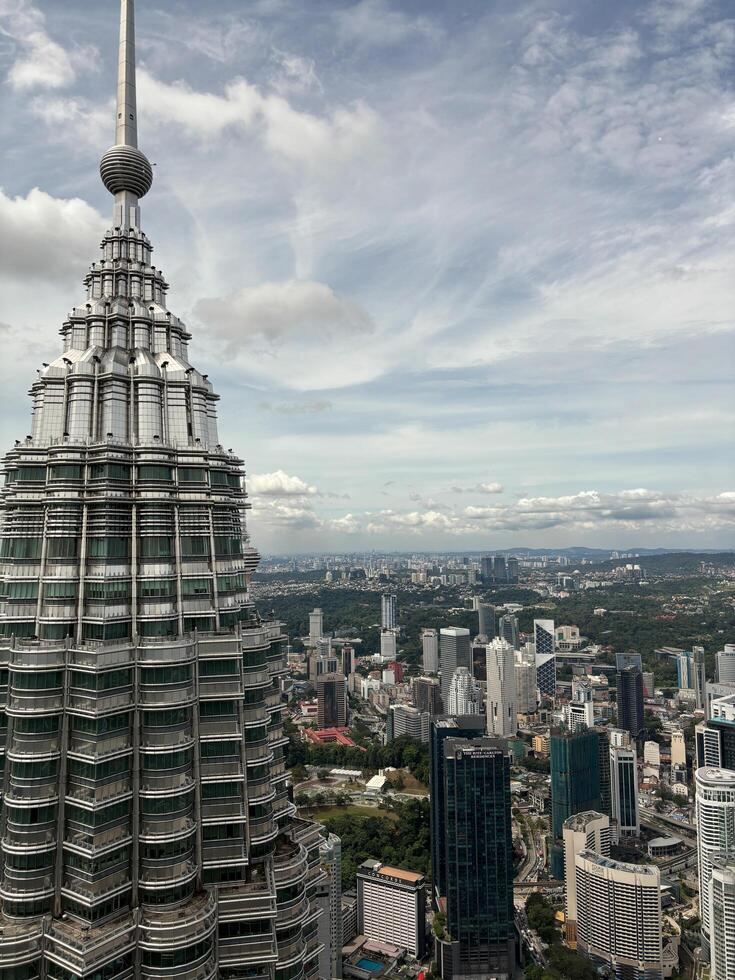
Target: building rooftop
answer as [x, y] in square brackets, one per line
[579, 821]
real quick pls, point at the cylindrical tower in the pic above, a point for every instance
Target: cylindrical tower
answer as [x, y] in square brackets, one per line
[715, 803]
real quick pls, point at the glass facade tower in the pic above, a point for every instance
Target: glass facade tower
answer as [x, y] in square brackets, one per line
[145, 821]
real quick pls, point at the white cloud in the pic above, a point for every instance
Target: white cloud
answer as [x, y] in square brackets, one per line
[41, 62]
[313, 407]
[481, 488]
[293, 136]
[47, 238]
[279, 484]
[376, 23]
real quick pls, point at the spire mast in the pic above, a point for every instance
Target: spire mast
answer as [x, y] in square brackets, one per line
[125, 171]
[127, 110]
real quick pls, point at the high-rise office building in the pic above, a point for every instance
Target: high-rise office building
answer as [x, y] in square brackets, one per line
[630, 702]
[603, 757]
[512, 569]
[575, 776]
[465, 696]
[589, 831]
[454, 651]
[726, 664]
[348, 659]
[331, 700]
[690, 673]
[487, 568]
[715, 738]
[722, 917]
[486, 620]
[469, 726]
[427, 695]
[678, 748]
[391, 906]
[700, 677]
[543, 637]
[388, 645]
[526, 684]
[501, 689]
[146, 825]
[580, 712]
[316, 626]
[430, 650]
[619, 922]
[403, 719]
[508, 629]
[475, 802]
[715, 803]
[623, 788]
[329, 900]
[389, 612]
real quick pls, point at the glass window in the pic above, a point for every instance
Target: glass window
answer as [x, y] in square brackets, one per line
[197, 587]
[66, 471]
[111, 547]
[109, 590]
[154, 472]
[231, 583]
[204, 624]
[105, 681]
[63, 547]
[100, 726]
[110, 471]
[107, 631]
[18, 591]
[194, 547]
[156, 547]
[166, 719]
[156, 588]
[25, 628]
[36, 680]
[32, 474]
[166, 760]
[21, 548]
[192, 474]
[216, 709]
[158, 627]
[226, 547]
[176, 674]
[60, 590]
[217, 668]
[57, 631]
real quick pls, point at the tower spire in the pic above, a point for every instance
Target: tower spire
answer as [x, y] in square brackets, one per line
[127, 111]
[125, 171]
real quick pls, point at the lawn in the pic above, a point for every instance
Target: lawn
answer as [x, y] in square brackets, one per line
[322, 813]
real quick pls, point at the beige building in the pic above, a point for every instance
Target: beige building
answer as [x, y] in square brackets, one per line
[391, 906]
[589, 831]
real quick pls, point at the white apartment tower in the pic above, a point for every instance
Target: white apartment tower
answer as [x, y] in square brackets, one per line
[580, 712]
[388, 612]
[722, 918]
[391, 906]
[586, 831]
[465, 696]
[501, 689]
[619, 923]
[715, 802]
[430, 647]
[454, 651]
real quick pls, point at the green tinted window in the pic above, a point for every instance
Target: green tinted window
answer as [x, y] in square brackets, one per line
[112, 589]
[152, 472]
[112, 547]
[192, 474]
[18, 591]
[63, 547]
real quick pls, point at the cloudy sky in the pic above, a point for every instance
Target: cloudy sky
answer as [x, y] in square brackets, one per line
[462, 272]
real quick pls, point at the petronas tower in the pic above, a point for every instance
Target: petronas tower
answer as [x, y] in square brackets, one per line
[145, 823]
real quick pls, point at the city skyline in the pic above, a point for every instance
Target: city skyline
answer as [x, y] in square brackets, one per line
[418, 344]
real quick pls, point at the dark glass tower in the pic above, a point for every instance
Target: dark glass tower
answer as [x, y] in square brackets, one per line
[443, 727]
[475, 800]
[630, 702]
[145, 823]
[575, 776]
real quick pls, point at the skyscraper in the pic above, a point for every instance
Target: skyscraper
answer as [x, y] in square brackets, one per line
[575, 776]
[486, 620]
[469, 726]
[715, 802]
[331, 700]
[430, 647]
[543, 637]
[508, 629]
[722, 917]
[465, 696]
[630, 701]
[427, 695]
[619, 924]
[526, 684]
[475, 802]
[583, 831]
[403, 719]
[329, 900]
[580, 712]
[726, 664]
[316, 626]
[501, 689]
[146, 790]
[715, 738]
[454, 651]
[389, 612]
[624, 789]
